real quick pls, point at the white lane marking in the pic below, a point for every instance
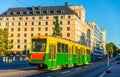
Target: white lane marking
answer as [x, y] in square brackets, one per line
[103, 74]
[78, 68]
[25, 68]
[65, 72]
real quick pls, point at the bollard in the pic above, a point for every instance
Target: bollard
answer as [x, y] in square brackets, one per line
[21, 59]
[4, 59]
[14, 58]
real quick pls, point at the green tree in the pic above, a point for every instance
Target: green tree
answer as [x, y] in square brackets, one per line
[112, 49]
[57, 31]
[5, 44]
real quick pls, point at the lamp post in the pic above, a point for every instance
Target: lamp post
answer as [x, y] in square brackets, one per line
[108, 59]
[108, 62]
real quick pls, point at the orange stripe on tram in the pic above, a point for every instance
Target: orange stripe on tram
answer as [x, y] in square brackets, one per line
[37, 56]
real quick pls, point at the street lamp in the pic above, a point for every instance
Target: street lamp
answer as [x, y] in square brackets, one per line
[108, 60]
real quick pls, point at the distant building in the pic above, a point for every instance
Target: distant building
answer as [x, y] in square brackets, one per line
[99, 43]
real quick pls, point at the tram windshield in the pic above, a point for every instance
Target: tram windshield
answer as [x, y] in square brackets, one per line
[38, 45]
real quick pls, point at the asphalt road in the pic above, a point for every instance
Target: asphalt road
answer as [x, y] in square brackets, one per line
[23, 69]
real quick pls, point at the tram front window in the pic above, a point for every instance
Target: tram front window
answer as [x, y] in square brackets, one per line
[38, 45]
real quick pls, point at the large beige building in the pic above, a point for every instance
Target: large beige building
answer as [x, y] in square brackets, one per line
[23, 23]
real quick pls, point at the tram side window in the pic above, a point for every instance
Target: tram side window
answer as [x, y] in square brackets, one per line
[38, 45]
[88, 51]
[50, 51]
[82, 51]
[70, 52]
[54, 48]
[76, 49]
[62, 48]
[65, 48]
[59, 45]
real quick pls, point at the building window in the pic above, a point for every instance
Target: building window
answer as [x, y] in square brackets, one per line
[25, 41]
[7, 18]
[18, 46]
[25, 29]
[58, 11]
[12, 29]
[38, 34]
[39, 29]
[25, 35]
[53, 22]
[53, 28]
[33, 18]
[11, 13]
[6, 24]
[46, 23]
[61, 17]
[69, 17]
[18, 41]
[13, 18]
[32, 29]
[18, 12]
[20, 18]
[32, 34]
[40, 17]
[25, 23]
[13, 24]
[39, 23]
[51, 11]
[47, 17]
[25, 46]
[18, 23]
[68, 22]
[60, 28]
[11, 35]
[54, 17]
[18, 35]
[46, 34]
[11, 46]
[61, 23]
[24, 13]
[46, 29]
[18, 29]
[11, 40]
[32, 23]
[44, 12]
[37, 12]
[26, 18]
[68, 28]
[68, 34]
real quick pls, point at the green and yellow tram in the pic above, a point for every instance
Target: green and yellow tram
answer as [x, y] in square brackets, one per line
[54, 52]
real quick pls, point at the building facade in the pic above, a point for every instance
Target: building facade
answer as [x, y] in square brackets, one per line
[99, 43]
[23, 23]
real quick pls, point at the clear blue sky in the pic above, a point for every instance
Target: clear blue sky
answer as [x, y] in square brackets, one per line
[105, 13]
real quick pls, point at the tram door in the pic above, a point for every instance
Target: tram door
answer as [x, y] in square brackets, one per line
[78, 54]
[52, 54]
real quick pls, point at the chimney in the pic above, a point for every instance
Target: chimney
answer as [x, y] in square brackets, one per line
[40, 7]
[33, 8]
[66, 3]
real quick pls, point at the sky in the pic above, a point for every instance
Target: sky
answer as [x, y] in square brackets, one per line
[105, 13]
